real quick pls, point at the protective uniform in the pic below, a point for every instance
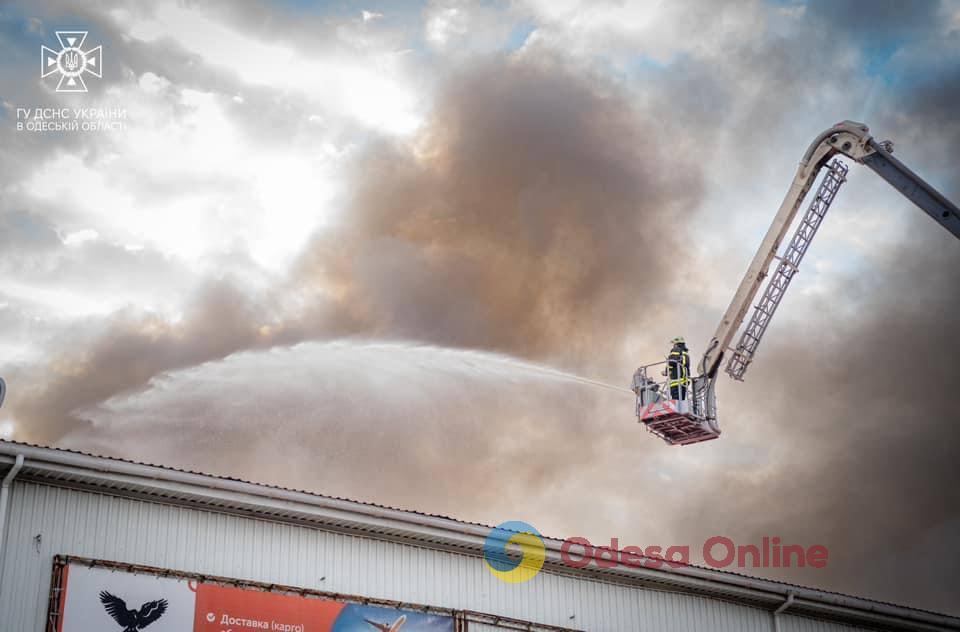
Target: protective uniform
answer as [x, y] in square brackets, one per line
[678, 369]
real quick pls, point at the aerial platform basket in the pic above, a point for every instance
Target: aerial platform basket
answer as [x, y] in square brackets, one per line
[689, 418]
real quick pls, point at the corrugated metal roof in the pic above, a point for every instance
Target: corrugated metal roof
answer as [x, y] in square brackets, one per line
[240, 480]
[197, 491]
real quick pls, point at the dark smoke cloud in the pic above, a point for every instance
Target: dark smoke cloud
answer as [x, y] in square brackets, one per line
[100, 360]
[542, 214]
[857, 416]
[534, 199]
[869, 412]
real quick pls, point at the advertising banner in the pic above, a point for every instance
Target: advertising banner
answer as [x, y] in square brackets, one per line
[107, 599]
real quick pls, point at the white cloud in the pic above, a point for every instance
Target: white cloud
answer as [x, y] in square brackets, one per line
[151, 83]
[80, 236]
[620, 33]
[192, 185]
[70, 301]
[793, 11]
[461, 27]
[369, 87]
[954, 22]
[444, 23]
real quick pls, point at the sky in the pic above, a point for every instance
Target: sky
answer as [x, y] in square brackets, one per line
[332, 247]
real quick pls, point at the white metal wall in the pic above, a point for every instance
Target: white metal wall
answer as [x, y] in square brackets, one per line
[138, 532]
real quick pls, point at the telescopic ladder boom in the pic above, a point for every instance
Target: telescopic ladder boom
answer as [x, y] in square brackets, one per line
[849, 139]
[691, 415]
[789, 265]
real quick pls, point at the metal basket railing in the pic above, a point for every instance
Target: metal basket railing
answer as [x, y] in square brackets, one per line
[652, 386]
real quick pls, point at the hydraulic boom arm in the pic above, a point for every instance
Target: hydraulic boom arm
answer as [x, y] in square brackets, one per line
[854, 141]
[683, 416]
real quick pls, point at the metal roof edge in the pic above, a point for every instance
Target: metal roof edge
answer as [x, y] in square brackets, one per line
[111, 475]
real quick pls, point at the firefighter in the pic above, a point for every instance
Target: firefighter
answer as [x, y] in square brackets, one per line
[678, 369]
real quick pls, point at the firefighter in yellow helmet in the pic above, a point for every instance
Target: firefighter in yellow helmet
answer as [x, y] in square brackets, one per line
[678, 369]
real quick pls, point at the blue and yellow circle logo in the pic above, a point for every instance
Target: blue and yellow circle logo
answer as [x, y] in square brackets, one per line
[512, 566]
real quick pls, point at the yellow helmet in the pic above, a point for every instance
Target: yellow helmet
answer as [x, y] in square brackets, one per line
[678, 340]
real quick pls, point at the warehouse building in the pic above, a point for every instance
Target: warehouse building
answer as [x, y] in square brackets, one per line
[96, 544]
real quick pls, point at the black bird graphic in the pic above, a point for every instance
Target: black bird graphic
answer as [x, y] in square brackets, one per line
[132, 620]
